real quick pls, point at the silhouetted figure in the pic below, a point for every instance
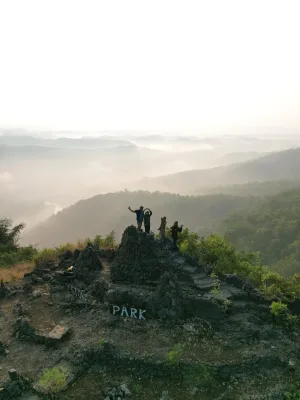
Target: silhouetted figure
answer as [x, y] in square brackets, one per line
[139, 217]
[147, 216]
[162, 228]
[174, 231]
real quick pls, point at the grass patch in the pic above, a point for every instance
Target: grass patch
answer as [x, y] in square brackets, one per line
[53, 380]
[174, 355]
[53, 254]
[137, 389]
[201, 375]
[15, 272]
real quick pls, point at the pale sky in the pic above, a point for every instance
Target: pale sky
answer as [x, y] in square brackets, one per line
[150, 65]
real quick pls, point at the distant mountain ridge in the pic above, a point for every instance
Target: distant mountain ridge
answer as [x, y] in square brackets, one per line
[283, 165]
[85, 142]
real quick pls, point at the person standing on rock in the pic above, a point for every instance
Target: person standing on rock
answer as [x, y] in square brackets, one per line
[174, 231]
[139, 217]
[162, 228]
[147, 216]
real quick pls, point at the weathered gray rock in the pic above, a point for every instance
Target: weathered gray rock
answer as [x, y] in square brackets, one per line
[57, 289]
[99, 289]
[118, 392]
[125, 390]
[59, 332]
[140, 258]
[165, 395]
[88, 264]
[47, 277]
[35, 294]
[24, 331]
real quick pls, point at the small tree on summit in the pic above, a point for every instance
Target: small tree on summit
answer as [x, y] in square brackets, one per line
[9, 235]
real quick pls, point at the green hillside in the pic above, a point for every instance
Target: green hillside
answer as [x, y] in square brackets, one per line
[104, 213]
[272, 228]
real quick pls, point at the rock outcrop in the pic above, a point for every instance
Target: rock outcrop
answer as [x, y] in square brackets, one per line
[88, 264]
[140, 258]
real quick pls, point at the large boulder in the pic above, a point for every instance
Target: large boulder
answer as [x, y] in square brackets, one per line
[88, 264]
[140, 258]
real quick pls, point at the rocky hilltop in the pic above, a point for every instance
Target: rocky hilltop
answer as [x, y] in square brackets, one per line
[140, 322]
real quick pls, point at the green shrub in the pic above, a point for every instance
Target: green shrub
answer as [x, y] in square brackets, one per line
[175, 353]
[108, 242]
[9, 235]
[294, 394]
[53, 380]
[20, 255]
[46, 255]
[54, 254]
[216, 283]
[282, 314]
[200, 374]
[279, 309]
[137, 389]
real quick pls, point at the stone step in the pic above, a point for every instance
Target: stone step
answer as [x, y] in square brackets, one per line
[190, 269]
[205, 284]
[200, 275]
[29, 397]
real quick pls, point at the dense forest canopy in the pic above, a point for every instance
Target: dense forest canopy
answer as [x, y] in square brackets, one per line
[272, 228]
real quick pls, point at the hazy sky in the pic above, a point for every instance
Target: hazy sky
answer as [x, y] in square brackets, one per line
[151, 65]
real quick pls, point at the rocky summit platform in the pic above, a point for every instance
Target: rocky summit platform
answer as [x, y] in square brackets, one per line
[142, 322]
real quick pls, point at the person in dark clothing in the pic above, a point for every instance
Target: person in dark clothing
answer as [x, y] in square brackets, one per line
[162, 228]
[139, 217]
[174, 232]
[147, 216]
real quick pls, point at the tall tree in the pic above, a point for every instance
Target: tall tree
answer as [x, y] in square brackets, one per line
[9, 234]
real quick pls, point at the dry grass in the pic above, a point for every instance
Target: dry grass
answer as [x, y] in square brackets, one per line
[15, 272]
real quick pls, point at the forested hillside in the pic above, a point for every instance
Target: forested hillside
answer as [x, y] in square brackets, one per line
[283, 165]
[104, 213]
[272, 228]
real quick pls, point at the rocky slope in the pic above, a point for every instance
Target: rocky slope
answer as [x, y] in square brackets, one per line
[140, 323]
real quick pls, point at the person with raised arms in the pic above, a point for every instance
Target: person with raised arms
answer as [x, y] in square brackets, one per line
[139, 217]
